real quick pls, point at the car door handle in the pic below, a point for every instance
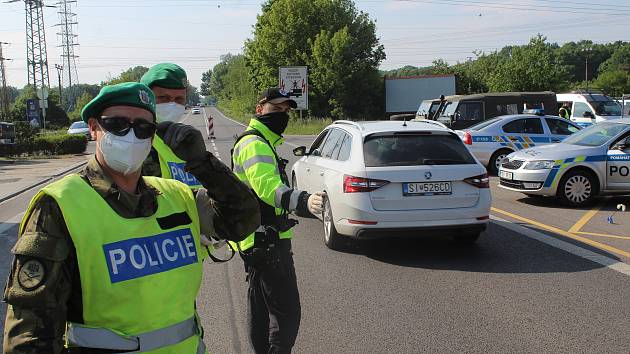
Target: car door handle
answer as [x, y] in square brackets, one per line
[308, 169]
[555, 140]
[514, 139]
[321, 173]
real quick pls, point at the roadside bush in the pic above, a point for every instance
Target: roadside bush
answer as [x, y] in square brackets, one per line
[52, 144]
[25, 132]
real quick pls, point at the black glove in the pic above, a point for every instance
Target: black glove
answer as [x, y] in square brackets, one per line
[185, 141]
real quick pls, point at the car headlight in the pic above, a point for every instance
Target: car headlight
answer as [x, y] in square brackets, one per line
[539, 165]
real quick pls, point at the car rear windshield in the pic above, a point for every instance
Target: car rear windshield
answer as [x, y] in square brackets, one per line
[415, 148]
[77, 125]
[484, 124]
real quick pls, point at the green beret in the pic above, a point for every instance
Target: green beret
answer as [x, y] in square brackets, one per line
[166, 75]
[126, 94]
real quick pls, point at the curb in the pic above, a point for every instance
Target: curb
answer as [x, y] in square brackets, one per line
[39, 183]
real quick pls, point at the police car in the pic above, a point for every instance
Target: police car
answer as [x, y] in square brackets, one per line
[492, 140]
[594, 161]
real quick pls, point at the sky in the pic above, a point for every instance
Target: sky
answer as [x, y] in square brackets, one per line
[114, 35]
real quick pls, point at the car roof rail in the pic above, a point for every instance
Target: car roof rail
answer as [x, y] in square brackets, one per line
[349, 122]
[429, 121]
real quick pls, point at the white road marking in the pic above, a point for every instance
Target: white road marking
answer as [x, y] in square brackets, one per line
[575, 250]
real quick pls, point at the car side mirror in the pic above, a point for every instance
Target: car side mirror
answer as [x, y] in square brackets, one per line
[300, 151]
[587, 114]
[316, 152]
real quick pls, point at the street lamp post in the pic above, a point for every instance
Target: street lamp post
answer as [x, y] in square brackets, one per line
[59, 73]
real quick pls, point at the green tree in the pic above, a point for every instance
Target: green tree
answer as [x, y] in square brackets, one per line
[55, 116]
[130, 75]
[336, 41]
[192, 95]
[206, 78]
[614, 82]
[83, 100]
[532, 67]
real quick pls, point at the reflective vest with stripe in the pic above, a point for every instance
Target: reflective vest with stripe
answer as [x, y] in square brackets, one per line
[171, 166]
[254, 163]
[139, 276]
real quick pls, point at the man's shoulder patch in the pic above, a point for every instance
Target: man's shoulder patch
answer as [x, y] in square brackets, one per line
[31, 274]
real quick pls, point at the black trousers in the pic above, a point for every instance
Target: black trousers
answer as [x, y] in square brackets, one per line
[274, 310]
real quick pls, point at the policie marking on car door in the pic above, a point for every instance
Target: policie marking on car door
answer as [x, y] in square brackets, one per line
[618, 164]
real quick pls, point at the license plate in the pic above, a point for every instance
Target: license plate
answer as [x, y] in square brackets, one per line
[506, 175]
[427, 188]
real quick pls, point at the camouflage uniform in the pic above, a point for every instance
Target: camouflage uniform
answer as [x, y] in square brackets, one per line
[37, 315]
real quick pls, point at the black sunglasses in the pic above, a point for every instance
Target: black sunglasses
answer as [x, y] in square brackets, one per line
[120, 126]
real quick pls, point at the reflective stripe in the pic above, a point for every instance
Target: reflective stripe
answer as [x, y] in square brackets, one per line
[245, 142]
[238, 169]
[201, 348]
[258, 159]
[295, 197]
[278, 196]
[103, 338]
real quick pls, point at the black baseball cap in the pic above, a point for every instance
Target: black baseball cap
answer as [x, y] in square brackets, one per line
[274, 95]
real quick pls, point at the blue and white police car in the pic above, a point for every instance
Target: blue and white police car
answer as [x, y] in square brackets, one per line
[492, 140]
[594, 161]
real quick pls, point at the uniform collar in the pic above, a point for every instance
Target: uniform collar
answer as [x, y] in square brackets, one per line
[272, 137]
[104, 185]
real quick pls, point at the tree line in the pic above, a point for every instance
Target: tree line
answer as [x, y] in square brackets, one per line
[339, 45]
[56, 116]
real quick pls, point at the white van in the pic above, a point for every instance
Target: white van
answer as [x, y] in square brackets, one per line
[587, 108]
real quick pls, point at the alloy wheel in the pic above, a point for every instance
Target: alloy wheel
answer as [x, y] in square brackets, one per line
[578, 189]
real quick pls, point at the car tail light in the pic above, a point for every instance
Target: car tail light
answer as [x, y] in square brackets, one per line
[467, 138]
[353, 184]
[481, 181]
[362, 222]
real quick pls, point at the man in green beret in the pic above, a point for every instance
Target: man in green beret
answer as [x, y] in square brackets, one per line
[110, 261]
[168, 82]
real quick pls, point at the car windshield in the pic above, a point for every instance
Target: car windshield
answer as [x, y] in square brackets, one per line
[484, 124]
[78, 125]
[424, 108]
[596, 135]
[606, 108]
[415, 148]
[449, 109]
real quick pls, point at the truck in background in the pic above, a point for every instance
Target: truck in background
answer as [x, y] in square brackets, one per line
[405, 94]
[587, 107]
[7, 133]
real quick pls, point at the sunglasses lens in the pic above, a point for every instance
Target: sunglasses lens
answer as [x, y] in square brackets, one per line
[116, 125]
[144, 129]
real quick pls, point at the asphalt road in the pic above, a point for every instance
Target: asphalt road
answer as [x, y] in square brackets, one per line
[517, 290]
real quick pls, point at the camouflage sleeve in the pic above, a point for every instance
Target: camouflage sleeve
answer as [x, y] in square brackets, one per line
[236, 211]
[151, 166]
[40, 283]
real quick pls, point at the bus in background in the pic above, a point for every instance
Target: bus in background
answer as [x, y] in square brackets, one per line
[7, 133]
[587, 107]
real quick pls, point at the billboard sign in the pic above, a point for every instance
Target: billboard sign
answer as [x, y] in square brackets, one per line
[32, 110]
[294, 81]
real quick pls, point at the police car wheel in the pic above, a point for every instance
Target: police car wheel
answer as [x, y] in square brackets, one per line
[495, 161]
[577, 188]
[331, 237]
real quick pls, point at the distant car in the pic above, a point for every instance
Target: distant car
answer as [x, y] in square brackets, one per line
[196, 110]
[492, 140]
[80, 127]
[594, 161]
[389, 178]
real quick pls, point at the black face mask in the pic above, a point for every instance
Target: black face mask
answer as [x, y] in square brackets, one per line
[276, 121]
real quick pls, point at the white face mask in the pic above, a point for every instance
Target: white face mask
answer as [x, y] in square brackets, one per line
[169, 112]
[124, 154]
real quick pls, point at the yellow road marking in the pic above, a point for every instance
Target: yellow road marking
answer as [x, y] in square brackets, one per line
[564, 233]
[586, 218]
[603, 235]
